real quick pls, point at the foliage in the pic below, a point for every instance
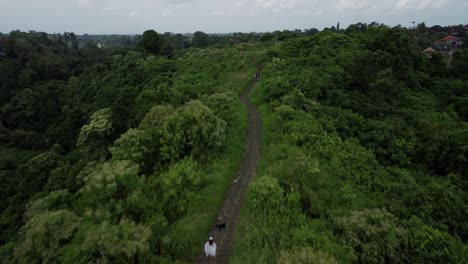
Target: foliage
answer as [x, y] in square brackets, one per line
[305, 255]
[99, 128]
[177, 187]
[432, 245]
[42, 241]
[36, 171]
[150, 41]
[122, 153]
[368, 135]
[221, 104]
[191, 130]
[108, 182]
[375, 236]
[136, 146]
[111, 243]
[200, 39]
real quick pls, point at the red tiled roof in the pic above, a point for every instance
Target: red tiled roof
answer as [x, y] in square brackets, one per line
[449, 37]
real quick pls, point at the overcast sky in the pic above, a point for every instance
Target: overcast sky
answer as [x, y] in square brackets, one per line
[219, 16]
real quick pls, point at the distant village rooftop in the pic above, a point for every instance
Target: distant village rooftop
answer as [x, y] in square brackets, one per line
[450, 38]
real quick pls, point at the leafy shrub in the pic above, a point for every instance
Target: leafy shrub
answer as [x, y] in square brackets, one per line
[192, 130]
[375, 235]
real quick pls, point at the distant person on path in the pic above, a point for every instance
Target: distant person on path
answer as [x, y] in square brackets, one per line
[210, 250]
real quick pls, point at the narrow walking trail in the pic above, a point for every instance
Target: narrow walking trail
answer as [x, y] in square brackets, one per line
[230, 210]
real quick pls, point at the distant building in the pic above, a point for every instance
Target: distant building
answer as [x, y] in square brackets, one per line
[428, 52]
[449, 42]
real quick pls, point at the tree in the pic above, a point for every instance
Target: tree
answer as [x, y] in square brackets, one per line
[44, 235]
[311, 31]
[296, 99]
[156, 116]
[430, 245]
[221, 104]
[167, 45]
[200, 39]
[192, 130]
[137, 146]
[97, 131]
[36, 172]
[106, 242]
[177, 187]
[157, 92]
[460, 64]
[107, 186]
[151, 41]
[375, 235]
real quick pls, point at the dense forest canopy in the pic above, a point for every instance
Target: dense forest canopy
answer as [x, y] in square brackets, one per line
[119, 149]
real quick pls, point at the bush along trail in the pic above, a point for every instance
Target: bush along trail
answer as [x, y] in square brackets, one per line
[228, 214]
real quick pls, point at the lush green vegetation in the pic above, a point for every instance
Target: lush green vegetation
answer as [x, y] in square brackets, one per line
[365, 153]
[123, 153]
[122, 157]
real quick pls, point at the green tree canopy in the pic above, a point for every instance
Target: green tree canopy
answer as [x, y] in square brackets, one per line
[151, 41]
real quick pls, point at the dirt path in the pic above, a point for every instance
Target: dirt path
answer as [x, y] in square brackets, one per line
[230, 209]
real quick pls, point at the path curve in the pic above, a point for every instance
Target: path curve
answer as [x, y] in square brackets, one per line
[234, 197]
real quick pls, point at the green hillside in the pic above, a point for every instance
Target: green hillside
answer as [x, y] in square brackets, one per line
[365, 153]
[123, 153]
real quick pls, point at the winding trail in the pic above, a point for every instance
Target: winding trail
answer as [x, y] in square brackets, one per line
[230, 210]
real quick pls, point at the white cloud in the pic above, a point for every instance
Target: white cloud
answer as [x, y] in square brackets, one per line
[178, 2]
[85, 3]
[133, 13]
[420, 4]
[301, 12]
[277, 5]
[110, 8]
[352, 4]
[219, 12]
[241, 3]
[166, 12]
[401, 3]
[266, 4]
[287, 4]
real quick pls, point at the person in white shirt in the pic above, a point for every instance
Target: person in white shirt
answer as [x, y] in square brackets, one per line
[210, 250]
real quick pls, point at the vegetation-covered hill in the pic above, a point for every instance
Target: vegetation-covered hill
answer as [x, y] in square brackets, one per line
[365, 153]
[123, 153]
[124, 160]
